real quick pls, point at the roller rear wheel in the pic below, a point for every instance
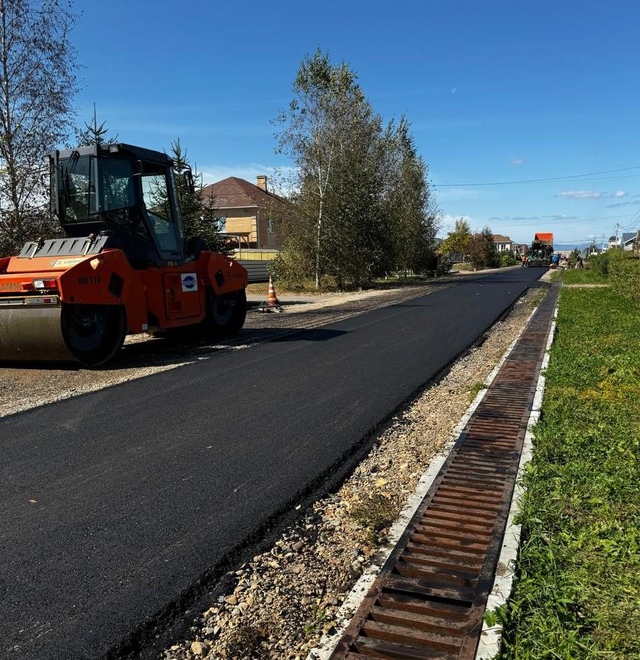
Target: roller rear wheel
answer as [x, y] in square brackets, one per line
[226, 313]
[93, 333]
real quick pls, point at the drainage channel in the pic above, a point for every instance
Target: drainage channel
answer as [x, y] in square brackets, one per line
[430, 596]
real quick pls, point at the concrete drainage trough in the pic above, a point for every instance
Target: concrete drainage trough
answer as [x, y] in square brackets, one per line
[430, 595]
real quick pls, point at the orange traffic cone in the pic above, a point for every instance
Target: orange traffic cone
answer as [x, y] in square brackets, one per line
[272, 304]
[272, 299]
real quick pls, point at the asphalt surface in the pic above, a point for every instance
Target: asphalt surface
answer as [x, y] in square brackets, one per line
[114, 503]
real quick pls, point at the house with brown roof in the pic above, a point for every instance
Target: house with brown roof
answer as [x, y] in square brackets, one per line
[502, 243]
[247, 212]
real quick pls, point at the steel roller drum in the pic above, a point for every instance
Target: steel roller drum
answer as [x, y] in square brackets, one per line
[30, 330]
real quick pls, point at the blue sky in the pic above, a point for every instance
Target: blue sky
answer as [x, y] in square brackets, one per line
[496, 92]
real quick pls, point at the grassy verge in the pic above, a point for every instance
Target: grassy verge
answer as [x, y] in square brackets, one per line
[582, 276]
[578, 589]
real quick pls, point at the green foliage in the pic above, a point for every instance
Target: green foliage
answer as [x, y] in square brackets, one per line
[578, 588]
[94, 133]
[507, 260]
[362, 206]
[599, 264]
[616, 267]
[473, 391]
[482, 249]
[582, 276]
[316, 622]
[199, 215]
[624, 274]
[457, 241]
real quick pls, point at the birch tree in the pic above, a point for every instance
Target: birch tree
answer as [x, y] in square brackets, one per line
[315, 135]
[361, 193]
[37, 85]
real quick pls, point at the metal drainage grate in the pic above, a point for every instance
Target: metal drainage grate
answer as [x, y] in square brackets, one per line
[430, 596]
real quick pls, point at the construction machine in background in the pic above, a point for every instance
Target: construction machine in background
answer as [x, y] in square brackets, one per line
[124, 265]
[541, 250]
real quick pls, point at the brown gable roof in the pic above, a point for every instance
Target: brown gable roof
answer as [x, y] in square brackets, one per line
[498, 238]
[236, 193]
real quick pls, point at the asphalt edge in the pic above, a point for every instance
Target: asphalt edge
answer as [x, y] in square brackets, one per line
[350, 605]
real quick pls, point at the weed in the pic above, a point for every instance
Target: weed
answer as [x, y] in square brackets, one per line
[474, 389]
[245, 642]
[375, 514]
[316, 622]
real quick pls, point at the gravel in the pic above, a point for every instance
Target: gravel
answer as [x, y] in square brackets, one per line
[281, 602]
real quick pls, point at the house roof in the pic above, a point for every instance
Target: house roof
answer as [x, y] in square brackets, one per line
[238, 193]
[498, 238]
[625, 238]
[544, 237]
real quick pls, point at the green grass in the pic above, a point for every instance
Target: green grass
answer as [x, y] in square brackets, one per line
[583, 276]
[577, 593]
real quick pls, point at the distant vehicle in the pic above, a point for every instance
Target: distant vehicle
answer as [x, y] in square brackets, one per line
[541, 250]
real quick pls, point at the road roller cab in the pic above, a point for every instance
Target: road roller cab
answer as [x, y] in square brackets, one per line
[123, 266]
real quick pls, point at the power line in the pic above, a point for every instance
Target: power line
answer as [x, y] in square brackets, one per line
[521, 222]
[558, 178]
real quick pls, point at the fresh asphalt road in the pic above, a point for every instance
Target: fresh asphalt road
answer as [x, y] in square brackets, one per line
[113, 503]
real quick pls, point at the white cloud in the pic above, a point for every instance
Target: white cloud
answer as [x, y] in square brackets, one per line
[580, 194]
[619, 193]
[562, 217]
[517, 161]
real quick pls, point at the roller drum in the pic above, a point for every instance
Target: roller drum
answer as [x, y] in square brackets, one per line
[32, 332]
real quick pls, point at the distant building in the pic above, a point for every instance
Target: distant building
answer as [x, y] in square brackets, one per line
[503, 243]
[626, 241]
[247, 212]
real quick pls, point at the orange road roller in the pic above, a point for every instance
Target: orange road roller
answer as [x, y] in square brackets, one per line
[124, 265]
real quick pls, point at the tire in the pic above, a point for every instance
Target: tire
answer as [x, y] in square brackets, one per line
[226, 313]
[93, 333]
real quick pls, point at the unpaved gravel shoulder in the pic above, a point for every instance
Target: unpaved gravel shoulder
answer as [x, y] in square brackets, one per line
[286, 598]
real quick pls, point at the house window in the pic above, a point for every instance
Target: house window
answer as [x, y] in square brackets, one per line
[271, 226]
[222, 223]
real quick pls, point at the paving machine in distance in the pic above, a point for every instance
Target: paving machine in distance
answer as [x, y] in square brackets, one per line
[541, 250]
[124, 265]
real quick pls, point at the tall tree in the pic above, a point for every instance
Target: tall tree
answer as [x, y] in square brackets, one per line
[361, 194]
[320, 133]
[458, 240]
[410, 207]
[37, 85]
[482, 249]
